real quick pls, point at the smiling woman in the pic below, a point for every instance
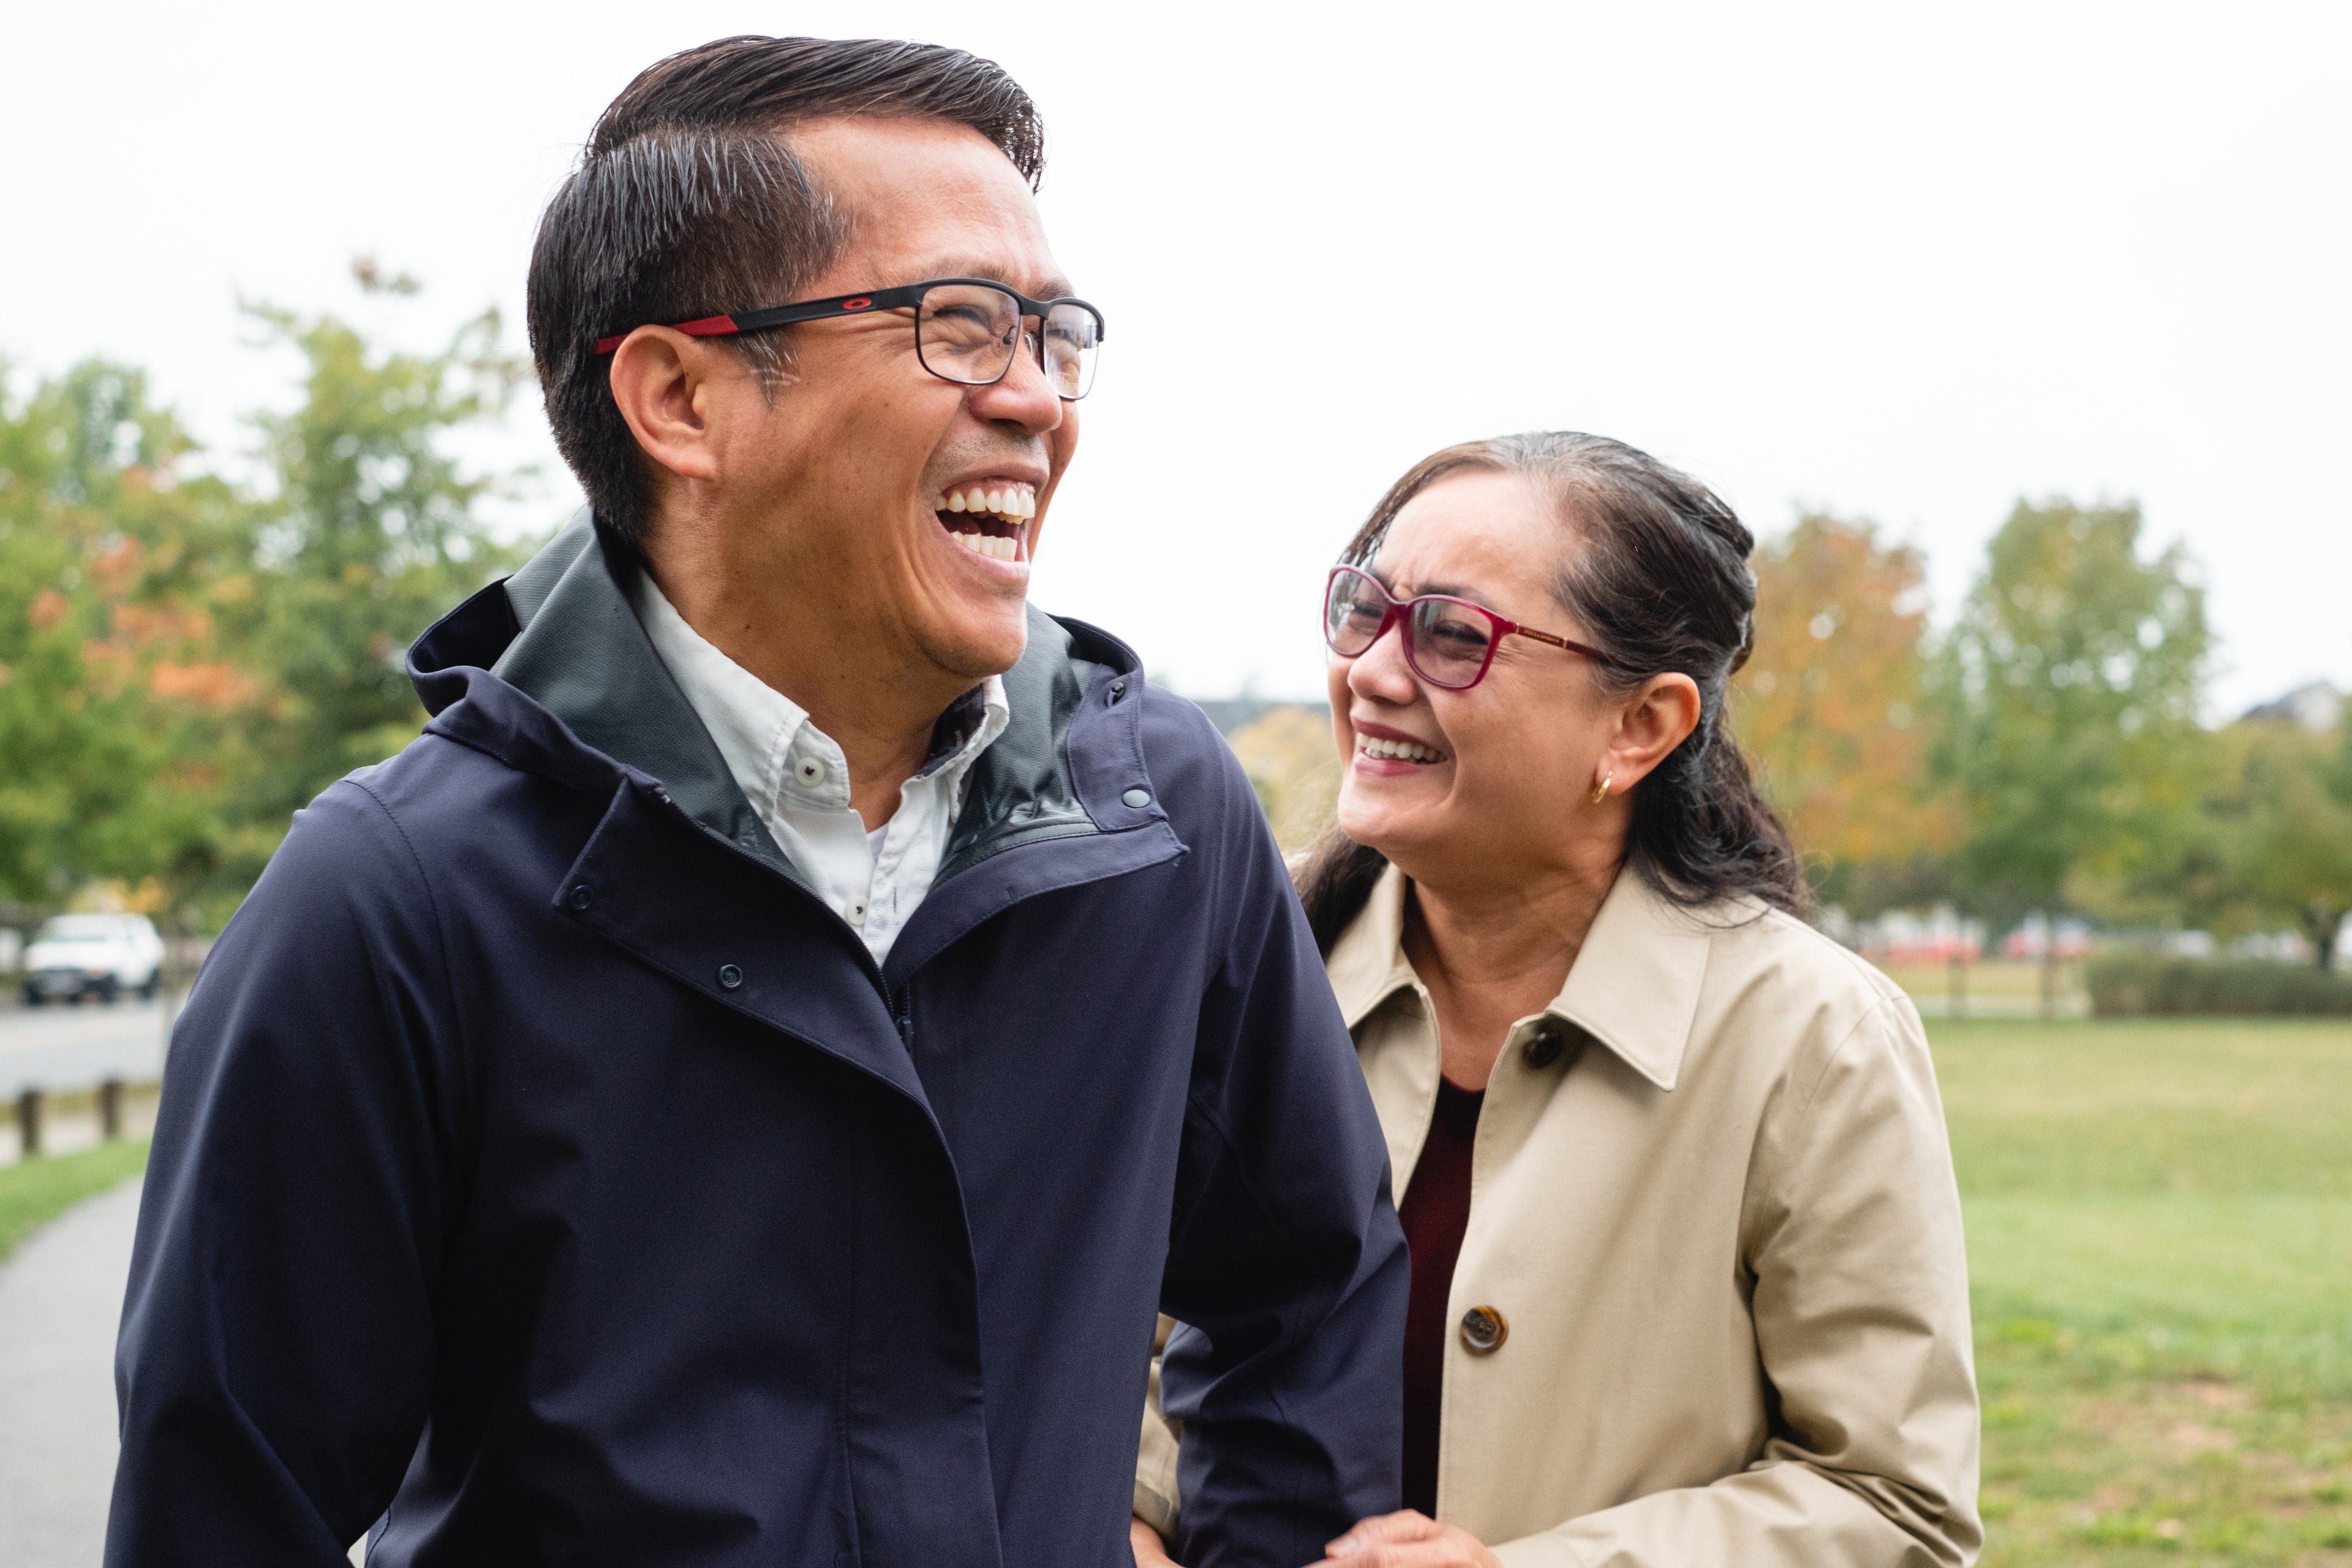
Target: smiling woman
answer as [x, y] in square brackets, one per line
[1686, 1282]
[1663, 582]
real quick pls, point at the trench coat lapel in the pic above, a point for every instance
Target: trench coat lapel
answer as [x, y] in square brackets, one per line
[1634, 987]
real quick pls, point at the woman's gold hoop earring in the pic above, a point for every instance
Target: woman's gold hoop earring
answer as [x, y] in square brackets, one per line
[1601, 790]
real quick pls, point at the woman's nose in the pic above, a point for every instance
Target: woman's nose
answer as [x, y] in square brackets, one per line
[1381, 671]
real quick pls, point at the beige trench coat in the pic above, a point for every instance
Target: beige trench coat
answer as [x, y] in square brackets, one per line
[1712, 1208]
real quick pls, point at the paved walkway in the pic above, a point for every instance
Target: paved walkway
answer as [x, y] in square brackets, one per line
[60, 1299]
[60, 1304]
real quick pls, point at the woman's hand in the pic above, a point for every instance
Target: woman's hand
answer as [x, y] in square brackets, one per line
[1407, 1539]
[1150, 1551]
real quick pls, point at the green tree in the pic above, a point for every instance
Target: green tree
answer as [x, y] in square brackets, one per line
[373, 533]
[183, 664]
[2067, 693]
[118, 713]
[2285, 830]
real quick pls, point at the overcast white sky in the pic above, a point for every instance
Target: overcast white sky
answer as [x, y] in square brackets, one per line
[1906, 262]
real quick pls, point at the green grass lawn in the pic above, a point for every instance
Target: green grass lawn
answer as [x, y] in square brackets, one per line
[34, 1191]
[2160, 1239]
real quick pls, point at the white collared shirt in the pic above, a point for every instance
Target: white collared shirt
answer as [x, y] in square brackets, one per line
[797, 780]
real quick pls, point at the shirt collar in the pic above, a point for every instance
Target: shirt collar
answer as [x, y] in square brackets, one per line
[1635, 985]
[777, 756]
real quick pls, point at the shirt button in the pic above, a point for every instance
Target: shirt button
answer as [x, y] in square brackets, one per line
[729, 977]
[809, 772]
[1545, 1048]
[580, 896]
[1138, 798]
[1484, 1329]
[858, 914]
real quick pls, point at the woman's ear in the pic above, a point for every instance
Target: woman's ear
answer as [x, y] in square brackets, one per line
[663, 382]
[1653, 722]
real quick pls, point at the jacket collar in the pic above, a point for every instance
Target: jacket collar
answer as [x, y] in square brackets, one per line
[581, 654]
[551, 671]
[1635, 985]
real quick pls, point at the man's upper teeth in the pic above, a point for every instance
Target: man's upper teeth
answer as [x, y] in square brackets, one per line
[1409, 750]
[1004, 501]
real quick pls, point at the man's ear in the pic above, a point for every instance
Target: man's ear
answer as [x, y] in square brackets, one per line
[663, 382]
[1653, 721]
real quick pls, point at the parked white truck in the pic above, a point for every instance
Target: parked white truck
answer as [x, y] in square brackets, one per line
[74, 956]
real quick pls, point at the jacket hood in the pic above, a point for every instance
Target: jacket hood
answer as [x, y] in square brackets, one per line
[550, 671]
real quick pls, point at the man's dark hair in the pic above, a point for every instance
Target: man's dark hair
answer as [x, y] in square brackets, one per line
[686, 205]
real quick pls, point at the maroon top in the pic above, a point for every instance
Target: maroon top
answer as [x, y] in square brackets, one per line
[1437, 1208]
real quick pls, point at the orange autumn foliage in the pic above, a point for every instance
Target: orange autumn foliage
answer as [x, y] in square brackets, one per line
[159, 624]
[1829, 704]
[212, 685]
[116, 567]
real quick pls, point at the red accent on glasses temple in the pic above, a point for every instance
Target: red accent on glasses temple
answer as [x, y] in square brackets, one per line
[860, 303]
[708, 327]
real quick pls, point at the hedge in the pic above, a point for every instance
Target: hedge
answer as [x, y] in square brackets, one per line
[2141, 985]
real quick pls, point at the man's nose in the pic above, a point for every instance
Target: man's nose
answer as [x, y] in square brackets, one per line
[1024, 398]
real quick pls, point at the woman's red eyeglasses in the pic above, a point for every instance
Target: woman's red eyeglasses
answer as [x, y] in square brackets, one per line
[1448, 642]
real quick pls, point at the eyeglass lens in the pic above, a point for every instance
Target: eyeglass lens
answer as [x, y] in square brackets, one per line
[968, 332]
[1446, 643]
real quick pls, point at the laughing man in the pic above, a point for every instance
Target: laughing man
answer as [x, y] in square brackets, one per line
[738, 1087]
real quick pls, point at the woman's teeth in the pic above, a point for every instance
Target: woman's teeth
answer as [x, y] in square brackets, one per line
[989, 545]
[1373, 746]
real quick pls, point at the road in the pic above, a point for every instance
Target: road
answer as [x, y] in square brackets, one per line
[59, 1049]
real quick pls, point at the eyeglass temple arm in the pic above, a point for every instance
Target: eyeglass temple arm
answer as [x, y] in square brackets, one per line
[786, 315]
[1586, 649]
[839, 305]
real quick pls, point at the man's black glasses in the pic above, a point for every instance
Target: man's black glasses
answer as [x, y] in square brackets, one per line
[967, 329]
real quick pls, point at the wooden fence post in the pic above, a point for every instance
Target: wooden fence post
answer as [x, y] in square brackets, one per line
[109, 1109]
[28, 1124]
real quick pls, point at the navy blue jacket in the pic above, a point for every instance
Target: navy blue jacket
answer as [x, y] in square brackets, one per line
[543, 1169]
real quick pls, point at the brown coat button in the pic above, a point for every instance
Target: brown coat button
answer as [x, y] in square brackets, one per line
[1545, 1048]
[1484, 1329]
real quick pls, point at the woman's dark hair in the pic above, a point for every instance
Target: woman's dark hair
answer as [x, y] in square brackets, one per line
[686, 205]
[1663, 585]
